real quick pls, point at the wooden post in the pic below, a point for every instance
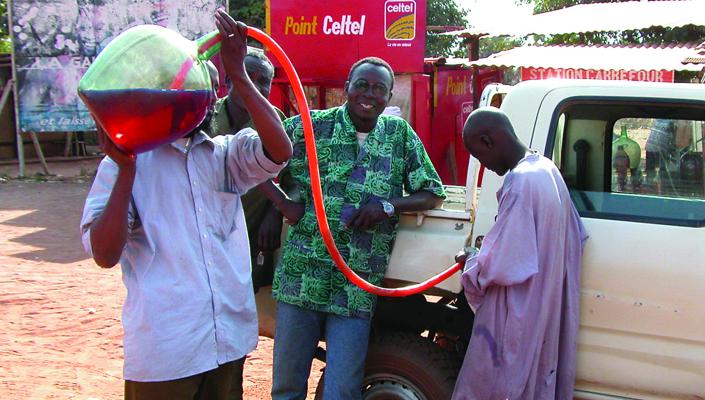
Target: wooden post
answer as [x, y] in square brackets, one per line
[321, 97]
[67, 147]
[40, 154]
[20, 151]
[6, 93]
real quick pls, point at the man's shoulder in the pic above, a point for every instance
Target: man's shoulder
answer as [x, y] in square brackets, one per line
[392, 119]
[316, 116]
[220, 101]
[397, 124]
[327, 114]
[280, 113]
[225, 139]
[537, 175]
[534, 162]
[219, 123]
[533, 168]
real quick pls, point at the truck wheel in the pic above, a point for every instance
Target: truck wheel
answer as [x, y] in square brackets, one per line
[405, 366]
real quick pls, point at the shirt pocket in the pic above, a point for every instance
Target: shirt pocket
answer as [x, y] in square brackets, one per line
[223, 214]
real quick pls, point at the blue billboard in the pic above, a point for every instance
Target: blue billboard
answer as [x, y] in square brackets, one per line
[55, 41]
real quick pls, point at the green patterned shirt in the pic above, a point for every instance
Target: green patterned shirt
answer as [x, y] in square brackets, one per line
[391, 161]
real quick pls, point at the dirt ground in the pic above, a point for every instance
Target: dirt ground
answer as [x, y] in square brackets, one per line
[60, 330]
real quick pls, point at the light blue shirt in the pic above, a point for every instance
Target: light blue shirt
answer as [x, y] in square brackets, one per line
[186, 264]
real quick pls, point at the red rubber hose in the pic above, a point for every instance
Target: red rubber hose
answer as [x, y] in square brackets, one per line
[316, 184]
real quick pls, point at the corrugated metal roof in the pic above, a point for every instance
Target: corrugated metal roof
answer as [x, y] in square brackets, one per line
[697, 56]
[630, 57]
[597, 17]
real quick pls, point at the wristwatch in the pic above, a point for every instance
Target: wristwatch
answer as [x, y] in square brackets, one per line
[388, 208]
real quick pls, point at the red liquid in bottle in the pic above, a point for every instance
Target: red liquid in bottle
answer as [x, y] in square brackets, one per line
[139, 120]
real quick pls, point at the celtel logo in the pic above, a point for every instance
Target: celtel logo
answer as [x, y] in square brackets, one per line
[400, 19]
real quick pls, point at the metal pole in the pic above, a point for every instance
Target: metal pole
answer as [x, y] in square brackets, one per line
[18, 133]
[474, 53]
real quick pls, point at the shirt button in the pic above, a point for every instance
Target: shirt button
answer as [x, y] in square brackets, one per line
[200, 209]
[205, 236]
[194, 183]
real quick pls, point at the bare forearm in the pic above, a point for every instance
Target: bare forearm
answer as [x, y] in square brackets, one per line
[109, 230]
[419, 201]
[265, 119]
[273, 193]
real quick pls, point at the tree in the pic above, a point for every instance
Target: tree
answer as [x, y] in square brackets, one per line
[493, 45]
[5, 44]
[445, 13]
[251, 12]
[655, 35]
[542, 6]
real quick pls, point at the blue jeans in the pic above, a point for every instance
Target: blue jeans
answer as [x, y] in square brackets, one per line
[295, 340]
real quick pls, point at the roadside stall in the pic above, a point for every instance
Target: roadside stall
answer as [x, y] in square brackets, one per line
[648, 63]
[586, 18]
[436, 95]
[433, 95]
[654, 156]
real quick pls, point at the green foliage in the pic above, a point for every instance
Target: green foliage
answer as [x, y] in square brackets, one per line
[5, 44]
[251, 12]
[542, 6]
[493, 45]
[656, 35]
[444, 13]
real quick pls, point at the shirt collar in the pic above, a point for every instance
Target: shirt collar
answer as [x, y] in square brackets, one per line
[530, 155]
[350, 127]
[198, 138]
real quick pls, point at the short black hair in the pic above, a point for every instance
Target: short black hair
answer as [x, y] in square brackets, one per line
[259, 55]
[374, 61]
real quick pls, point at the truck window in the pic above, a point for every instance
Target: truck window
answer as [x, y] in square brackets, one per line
[635, 162]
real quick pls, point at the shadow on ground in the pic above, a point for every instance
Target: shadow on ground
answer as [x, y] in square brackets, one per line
[49, 206]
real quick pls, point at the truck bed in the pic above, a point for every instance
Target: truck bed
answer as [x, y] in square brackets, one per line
[427, 242]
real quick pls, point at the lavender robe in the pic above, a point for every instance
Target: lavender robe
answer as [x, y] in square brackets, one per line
[525, 286]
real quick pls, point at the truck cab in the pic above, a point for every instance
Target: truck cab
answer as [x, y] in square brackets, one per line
[632, 157]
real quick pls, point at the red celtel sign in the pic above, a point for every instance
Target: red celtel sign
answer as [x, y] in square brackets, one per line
[531, 73]
[400, 20]
[324, 38]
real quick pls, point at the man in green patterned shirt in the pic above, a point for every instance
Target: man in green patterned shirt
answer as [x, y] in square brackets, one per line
[367, 162]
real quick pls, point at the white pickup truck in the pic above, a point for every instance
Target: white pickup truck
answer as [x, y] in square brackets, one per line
[642, 329]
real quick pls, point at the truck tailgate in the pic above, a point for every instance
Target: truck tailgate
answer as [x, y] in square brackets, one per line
[427, 242]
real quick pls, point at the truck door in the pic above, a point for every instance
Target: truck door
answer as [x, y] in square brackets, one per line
[634, 167]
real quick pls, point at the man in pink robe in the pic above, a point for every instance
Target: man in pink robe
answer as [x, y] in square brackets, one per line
[525, 281]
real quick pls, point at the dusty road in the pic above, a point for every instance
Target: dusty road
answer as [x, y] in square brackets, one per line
[60, 331]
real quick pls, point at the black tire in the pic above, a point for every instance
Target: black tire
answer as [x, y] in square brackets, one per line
[405, 366]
